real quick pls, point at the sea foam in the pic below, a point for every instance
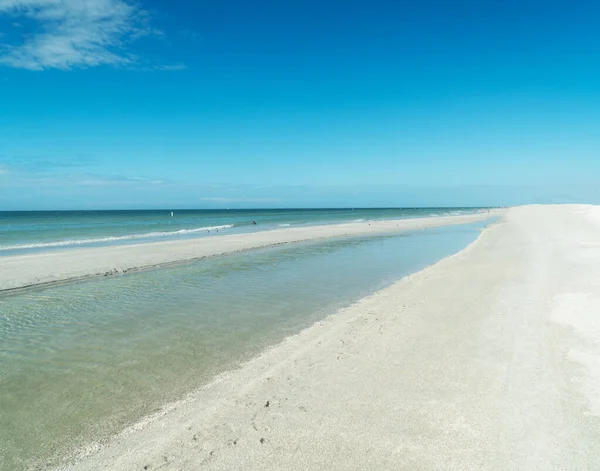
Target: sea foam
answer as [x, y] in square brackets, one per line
[149, 235]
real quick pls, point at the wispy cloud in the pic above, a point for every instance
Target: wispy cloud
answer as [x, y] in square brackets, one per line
[218, 199]
[37, 164]
[66, 171]
[173, 67]
[72, 180]
[103, 180]
[75, 33]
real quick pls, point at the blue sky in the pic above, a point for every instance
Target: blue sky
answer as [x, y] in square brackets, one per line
[193, 104]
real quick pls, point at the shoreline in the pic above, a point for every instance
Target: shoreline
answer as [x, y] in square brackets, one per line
[256, 367]
[476, 362]
[24, 272]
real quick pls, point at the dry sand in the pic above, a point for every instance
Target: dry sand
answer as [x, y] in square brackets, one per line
[39, 269]
[488, 360]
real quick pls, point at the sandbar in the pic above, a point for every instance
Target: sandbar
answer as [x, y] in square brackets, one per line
[34, 270]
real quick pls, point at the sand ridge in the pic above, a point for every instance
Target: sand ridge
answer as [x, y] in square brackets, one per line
[36, 270]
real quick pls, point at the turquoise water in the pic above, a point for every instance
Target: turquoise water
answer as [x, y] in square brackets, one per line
[81, 361]
[34, 231]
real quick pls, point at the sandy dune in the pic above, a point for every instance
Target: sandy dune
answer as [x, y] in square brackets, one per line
[488, 360]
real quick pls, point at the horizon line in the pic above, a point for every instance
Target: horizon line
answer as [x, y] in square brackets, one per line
[250, 209]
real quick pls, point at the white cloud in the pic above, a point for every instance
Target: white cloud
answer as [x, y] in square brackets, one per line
[241, 200]
[75, 33]
[104, 180]
[172, 67]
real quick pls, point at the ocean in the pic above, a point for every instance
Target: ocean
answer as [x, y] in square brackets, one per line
[35, 231]
[81, 361]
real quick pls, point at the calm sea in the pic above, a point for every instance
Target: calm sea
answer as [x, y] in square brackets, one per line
[34, 231]
[81, 361]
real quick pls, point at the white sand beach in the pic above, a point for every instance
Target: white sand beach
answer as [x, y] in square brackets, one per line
[488, 360]
[38, 269]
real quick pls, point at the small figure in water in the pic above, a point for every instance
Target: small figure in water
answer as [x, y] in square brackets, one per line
[253, 223]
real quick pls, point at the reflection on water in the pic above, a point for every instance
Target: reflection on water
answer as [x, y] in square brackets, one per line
[79, 362]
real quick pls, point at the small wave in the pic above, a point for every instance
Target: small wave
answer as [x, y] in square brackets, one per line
[359, 220]
[149, 235]
[284, 225]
